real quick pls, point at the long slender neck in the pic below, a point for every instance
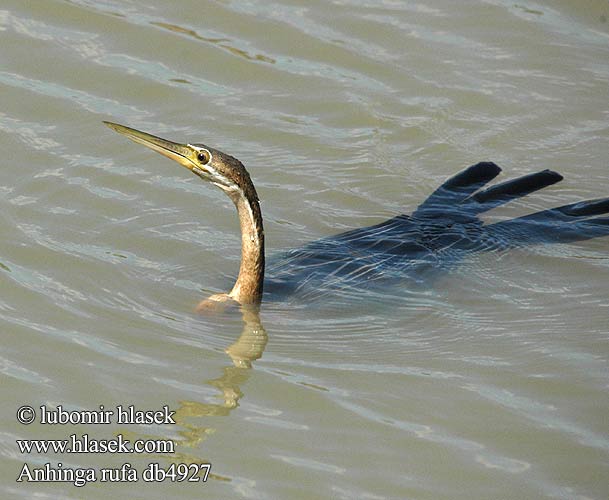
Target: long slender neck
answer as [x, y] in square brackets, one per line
[248, 287]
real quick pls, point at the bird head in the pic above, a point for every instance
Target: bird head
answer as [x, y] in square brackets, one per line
[210, 164]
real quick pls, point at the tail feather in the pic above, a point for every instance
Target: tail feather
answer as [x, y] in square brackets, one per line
[510, 190]
[574, 212]
[459, 187]
[573, 222]
[585, 208]
[461, 199]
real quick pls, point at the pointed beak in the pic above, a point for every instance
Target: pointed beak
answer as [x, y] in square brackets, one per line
[182, 153]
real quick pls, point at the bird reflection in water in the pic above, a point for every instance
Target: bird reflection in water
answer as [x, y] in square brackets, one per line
[243, 352]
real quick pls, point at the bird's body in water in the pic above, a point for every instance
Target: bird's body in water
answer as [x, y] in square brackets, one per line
[445, 228]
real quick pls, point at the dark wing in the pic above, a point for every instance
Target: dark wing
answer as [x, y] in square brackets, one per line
[439, 233]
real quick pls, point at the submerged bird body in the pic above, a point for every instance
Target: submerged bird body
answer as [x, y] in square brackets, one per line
[402, 250]
[444, 229]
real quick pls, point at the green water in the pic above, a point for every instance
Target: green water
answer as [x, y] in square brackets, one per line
[492, 383]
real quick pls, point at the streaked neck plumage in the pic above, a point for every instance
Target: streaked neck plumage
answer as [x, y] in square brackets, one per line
[249, 285]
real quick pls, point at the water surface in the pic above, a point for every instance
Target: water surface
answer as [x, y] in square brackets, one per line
[492, 383]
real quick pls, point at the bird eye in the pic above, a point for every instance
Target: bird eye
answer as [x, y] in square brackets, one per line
[203, 157]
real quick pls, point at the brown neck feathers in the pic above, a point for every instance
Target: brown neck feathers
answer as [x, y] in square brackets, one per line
[248, 287]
